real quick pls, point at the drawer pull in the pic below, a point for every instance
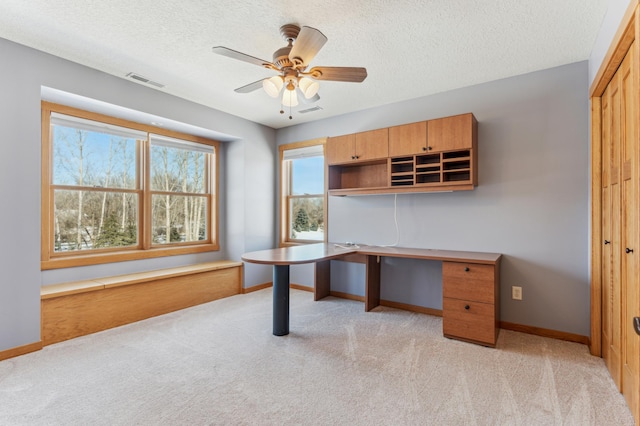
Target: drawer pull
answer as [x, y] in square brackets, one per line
[607, 242]
[466, 269]
[628, 250]
[467, 307]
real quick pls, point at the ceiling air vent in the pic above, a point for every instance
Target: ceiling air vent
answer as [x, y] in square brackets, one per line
[315, 108]
[145, 80]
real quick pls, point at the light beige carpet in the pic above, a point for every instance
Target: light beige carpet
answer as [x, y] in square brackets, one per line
[219, 364]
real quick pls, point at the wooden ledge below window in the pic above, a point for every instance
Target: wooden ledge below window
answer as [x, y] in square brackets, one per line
[78, 308]
[65, 289]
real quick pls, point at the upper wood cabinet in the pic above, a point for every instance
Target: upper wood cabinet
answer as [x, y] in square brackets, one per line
[372, 145]
[341, 149]
[435, 155]
[362, 146]
[408, 139]
[451, 133]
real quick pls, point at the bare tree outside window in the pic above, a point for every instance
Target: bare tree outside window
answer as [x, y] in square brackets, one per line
[178, 184]
[103, 175]
[95, 199]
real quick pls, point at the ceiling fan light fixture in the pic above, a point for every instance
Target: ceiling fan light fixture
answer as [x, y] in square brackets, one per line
[273, 85]
[291, 63]
[290, 98]
[308, 87]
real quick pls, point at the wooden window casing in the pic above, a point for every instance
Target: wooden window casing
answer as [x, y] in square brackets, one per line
[286, 197]
[144, 249]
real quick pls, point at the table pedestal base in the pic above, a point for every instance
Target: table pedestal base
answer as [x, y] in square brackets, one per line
[280, 300]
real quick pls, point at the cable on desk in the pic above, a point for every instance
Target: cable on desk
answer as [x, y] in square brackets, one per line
[347, 246]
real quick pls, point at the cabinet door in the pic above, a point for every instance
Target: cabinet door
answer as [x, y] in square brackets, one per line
[451, 133]
[341, 149]
[408, 139]
[372, 145]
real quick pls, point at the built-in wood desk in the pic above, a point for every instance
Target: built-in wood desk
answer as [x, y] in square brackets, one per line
[470, 280]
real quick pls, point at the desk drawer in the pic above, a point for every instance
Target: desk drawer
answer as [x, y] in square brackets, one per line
[469, 281]
[477, 323]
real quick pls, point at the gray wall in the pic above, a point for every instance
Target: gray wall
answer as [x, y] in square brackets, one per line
[246, 185]
[531, 203]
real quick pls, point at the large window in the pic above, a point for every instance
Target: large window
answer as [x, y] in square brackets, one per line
[116, 190]
[303, 192]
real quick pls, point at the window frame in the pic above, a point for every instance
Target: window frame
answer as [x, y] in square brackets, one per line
[285, 192]
[145, 249]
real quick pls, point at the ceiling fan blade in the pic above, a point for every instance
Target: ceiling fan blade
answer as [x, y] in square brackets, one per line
[348, 74]
[230, 53]
[250, 87]
[307, 45]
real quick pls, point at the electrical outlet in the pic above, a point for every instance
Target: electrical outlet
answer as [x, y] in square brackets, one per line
[516, 292]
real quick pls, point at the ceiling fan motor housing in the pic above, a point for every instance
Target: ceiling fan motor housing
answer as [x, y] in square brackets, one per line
[281, 57]
[289, 32]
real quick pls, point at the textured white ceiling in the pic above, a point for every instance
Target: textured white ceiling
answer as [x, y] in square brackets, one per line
[411, 48]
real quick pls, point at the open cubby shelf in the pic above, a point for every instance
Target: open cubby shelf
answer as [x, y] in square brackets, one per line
[456, 154]
[429, 169]
[366, 175]
[449, 170]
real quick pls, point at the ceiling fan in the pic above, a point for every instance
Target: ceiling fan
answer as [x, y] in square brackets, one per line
[291, 63]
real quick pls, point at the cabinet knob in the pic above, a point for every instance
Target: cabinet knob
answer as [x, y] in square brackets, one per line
[424, 148]
[429, 148]
[353, 157]
[466, 269]
[607, 242]
[628, 250]
[357, 156]
[467, 307]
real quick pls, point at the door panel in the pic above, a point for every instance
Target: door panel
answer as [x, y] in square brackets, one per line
[612, 335]
[606, 274]
[614, 361]
[606, 227]
[629, 278]
[630, 303]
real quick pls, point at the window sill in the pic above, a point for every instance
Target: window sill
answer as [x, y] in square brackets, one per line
[298, 243]
[121, 256]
